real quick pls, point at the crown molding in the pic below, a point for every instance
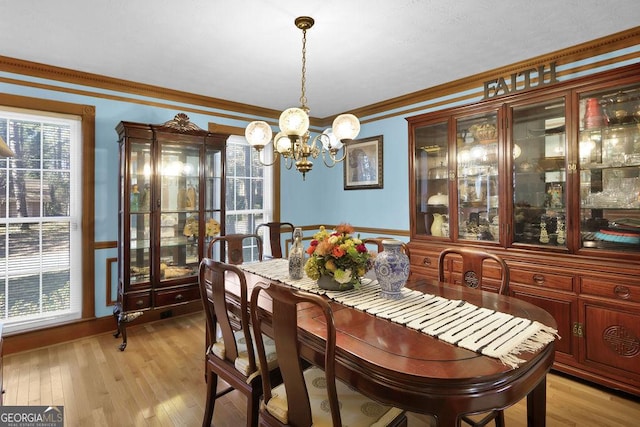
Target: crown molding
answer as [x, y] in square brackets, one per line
[66, 75]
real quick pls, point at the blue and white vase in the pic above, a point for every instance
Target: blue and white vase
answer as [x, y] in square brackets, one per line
[392, 269]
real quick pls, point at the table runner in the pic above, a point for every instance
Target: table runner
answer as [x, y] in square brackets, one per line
[491, 333]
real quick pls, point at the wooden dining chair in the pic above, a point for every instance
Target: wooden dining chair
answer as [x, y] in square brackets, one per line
[232, 245]
[473, 263]
[472, 274]
[230, 352]
[275, 230]
[301, 399]
[377, 242]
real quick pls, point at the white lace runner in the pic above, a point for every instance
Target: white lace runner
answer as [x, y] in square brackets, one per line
[491, 333]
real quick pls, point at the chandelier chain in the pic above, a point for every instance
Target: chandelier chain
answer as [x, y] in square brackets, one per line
[303, 96]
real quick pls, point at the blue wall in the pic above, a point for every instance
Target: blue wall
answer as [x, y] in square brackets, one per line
[318, 200]
[321, 198]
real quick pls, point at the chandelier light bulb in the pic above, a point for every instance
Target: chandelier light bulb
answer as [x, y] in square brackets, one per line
[258, 133]
[282, 143]
[329, 140]
[346, 126]
[294, 121]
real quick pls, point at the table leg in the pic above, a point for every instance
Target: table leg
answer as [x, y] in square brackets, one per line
[537, 405]
[448, 419]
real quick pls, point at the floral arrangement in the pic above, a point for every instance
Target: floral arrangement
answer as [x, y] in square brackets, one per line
[339, 255]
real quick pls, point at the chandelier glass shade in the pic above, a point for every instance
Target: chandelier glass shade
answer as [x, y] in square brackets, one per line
[5, 150]
[294, 142]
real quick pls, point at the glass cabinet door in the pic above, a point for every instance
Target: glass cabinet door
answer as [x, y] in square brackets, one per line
[477, 177]
[432, 179]
[179, 175]
[609, 164]
[140, 212]
[213, 196]
[540, 188]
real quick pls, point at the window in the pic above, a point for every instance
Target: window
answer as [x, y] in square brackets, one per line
[40, 233]
[248, 192]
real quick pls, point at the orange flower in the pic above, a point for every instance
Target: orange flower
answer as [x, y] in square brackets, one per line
[323, 248]
[338, 252]
[345, 229]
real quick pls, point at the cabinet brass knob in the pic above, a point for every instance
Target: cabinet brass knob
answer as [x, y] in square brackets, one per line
[139, 303]
[426, 261]
[179, 297]
[539, 279]
[622, 292]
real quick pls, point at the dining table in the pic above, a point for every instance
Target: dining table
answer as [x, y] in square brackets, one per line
[407, 368]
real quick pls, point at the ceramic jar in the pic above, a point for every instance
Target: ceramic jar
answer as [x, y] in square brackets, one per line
[392, 269]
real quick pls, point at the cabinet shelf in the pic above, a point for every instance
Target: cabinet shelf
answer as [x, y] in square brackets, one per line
[599, 166]
[611, 208]
[630, 124]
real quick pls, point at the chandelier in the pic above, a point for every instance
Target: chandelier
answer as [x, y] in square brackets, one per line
[293, 141]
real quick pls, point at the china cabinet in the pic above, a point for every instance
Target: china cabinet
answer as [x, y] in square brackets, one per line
[550, 180]
[171, 204]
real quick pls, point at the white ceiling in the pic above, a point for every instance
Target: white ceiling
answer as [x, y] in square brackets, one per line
[359, 52]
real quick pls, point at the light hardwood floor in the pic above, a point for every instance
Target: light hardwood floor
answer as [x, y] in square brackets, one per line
[158, 381]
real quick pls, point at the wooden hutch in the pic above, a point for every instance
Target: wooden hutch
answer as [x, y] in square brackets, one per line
[548, 178]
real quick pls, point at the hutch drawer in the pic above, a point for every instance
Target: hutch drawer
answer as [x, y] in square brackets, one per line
[618, 290]
[427, 261]
[542, 278]
[176, 296]
[137, 301]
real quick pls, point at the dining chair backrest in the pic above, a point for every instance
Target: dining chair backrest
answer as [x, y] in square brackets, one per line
[377, 242]
[285, 301]
[232, 245]
[305, 387]
[473, 261]
[275, 230]
[213, 292]
[473, 264]
[229, 355]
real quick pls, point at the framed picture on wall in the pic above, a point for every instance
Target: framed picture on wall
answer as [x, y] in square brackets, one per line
[363, 164]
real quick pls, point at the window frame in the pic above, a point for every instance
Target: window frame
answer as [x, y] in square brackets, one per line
[87, 134]
[268, 196]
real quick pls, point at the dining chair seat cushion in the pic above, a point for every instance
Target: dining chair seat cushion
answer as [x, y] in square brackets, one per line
[242, 361]
[355, 408]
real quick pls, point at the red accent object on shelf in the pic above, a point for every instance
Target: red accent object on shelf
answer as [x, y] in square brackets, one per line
[593, 117]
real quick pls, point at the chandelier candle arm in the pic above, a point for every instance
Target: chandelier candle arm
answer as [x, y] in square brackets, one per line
[292, 142]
